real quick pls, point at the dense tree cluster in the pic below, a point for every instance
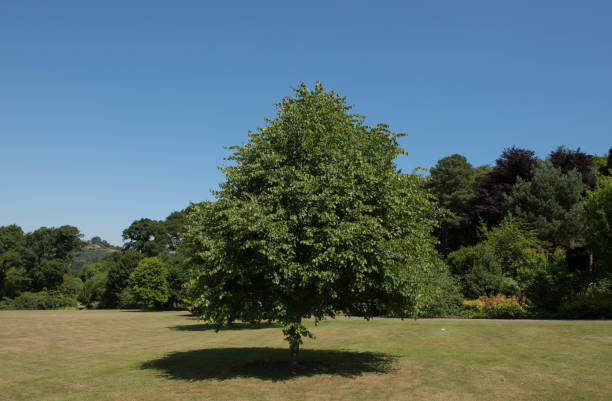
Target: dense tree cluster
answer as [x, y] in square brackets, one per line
[539, 228]
[35, 268]
[37, 261]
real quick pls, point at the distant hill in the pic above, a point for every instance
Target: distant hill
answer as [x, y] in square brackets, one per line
[95, 250]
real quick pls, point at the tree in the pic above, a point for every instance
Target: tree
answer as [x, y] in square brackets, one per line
[14, 257]
[146, 236]
[148, 282]
[505, 262]
[48, 274]
[313, 218]
[453, 182]
[550, 202]
[119, 275]
[489, 202]
[567, 160]
[54, 243]
[175, 226]
[598, 220]
[177, 277]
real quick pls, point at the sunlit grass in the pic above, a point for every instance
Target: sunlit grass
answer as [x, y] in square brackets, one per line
[123, 355]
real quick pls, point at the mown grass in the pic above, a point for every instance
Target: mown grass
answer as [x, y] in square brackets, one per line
[123, 355]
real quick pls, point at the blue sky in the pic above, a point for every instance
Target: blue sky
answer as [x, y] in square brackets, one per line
[115, 110]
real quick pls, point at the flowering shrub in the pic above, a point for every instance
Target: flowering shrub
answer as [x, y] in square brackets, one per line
[499, 306]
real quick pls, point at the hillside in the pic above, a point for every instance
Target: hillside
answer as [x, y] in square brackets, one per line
[95, 250]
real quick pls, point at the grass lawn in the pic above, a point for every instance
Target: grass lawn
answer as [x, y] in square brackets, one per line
[126, 355]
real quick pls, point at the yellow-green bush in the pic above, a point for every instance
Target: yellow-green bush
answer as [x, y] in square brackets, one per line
[498, 306]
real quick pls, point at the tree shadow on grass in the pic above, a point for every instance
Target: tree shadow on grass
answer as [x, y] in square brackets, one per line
[233, 326]
[266, 364]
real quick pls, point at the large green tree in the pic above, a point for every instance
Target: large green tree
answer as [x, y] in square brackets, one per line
[148, 282]
[119, 275]
[313, 218]
[54, 242]
[550, 202]
[147, 237]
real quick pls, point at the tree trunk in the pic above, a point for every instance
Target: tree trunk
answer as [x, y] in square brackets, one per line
[294, 336]
[293, 353]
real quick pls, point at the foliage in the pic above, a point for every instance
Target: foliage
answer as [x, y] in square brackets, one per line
[453, 182]
[178, 276]
[313, 218]
[71, 286]
[54, 243]
[550, 202]
[101, 243]
[93, 289]
[446, 297]
[505, 262]
[606, 168]
[95, 252]
[15, 282]
[148, 282]
[40, 300]
[489, 202]
[595, 302]
[567, 160]
[175, 227]
[118, 277]
[48, 274]
[146, 236]
[598, 221]
[498, 307]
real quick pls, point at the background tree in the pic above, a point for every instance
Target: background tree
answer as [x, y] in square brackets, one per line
[148, 282]
[147, 237]
[14, 258]
[550, 202]
[174, 226]
[313, 218]
[48, 274]
[178, 276]
[119, 275]
[567, 160]
[506, 262]
[607, 170]
[54, 243]
[489, 202]
[598, 220]
[453, 182]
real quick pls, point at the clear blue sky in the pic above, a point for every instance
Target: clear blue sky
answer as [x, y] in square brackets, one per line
[115, 110]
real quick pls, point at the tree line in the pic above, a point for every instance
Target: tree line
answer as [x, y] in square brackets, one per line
[148, 271]
[534, 229]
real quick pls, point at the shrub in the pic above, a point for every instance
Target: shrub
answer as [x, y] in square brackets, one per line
[446, 297]
[41, 300]
[585, 307]
[499, 307]
[93, 289]
[594, 303]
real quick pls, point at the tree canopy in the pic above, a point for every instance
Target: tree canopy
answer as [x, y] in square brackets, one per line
[313, 218]
[550, 202]
[489, 203]
[598, 221]
[453, 181]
